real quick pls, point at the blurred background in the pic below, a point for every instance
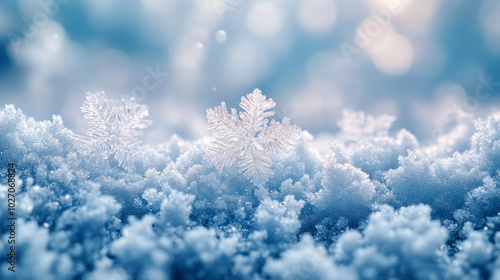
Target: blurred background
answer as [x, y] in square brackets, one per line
[415, 59]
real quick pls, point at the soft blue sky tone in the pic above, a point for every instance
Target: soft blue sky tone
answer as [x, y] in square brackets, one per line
[413, 59]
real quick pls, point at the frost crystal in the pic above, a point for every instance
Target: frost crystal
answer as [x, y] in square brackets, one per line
[113, 131]
[249, 137]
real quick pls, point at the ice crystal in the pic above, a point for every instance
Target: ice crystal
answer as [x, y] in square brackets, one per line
[248, 137]
[113, 131]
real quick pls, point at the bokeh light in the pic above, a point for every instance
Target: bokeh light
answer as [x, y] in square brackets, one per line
[313, 57]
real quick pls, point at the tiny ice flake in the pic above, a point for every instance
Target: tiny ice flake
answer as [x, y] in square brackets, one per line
[248, 137]
[113, 131]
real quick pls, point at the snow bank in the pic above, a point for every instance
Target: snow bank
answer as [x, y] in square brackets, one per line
[378, 206]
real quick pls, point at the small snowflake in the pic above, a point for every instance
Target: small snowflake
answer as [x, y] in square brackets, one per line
[248, 137]
[113, 131]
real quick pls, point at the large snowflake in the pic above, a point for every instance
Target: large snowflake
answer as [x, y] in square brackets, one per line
[113, 131]
[248, 137]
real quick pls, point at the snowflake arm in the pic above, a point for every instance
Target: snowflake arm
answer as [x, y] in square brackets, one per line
[221, 123]
[131, 119]
[100, 113]
[278, 138]
[227, 129]
[255, 165]
[256, 107]
[223, 152]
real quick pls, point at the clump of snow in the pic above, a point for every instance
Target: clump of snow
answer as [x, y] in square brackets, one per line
[395, 244]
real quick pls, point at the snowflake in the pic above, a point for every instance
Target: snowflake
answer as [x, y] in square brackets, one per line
[249, 137]
[113, 131]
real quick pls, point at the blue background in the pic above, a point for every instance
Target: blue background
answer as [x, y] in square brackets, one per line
[422, 63]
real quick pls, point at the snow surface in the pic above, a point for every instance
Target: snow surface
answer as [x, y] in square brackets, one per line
[378, 206]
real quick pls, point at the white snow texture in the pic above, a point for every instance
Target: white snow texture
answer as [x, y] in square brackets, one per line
[379, 205]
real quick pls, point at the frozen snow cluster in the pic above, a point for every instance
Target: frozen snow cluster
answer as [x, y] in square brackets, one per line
[378, 206]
